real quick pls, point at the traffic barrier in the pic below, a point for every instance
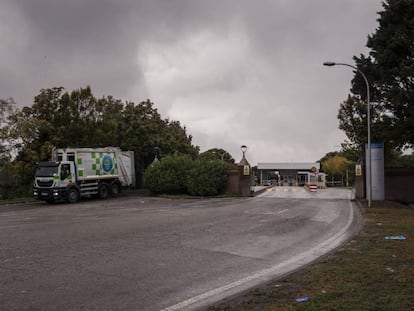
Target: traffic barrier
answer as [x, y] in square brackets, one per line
[313, 188]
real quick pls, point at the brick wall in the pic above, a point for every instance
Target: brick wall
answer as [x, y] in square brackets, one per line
[238, 183]
[399, 184]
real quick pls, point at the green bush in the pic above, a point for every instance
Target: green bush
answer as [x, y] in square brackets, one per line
[180, 174]
[169, 175]
[7, 190]
[207, 178]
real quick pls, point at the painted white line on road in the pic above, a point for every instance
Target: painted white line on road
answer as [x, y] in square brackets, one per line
[282, 211]
[275, 271]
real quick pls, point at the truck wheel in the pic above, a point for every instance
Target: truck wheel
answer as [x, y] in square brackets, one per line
[73, 195]
[115, 189]
[103, 191]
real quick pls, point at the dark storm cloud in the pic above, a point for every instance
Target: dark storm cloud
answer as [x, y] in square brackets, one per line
[201, 62]
[75, 43]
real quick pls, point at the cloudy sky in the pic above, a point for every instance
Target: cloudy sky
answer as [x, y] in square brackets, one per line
[234, 72]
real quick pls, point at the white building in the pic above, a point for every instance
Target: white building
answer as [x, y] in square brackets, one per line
[291, 174]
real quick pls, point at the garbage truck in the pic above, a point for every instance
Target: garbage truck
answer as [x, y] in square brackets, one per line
[84, 172]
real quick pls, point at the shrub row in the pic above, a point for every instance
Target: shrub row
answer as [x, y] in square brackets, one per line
[179, 174]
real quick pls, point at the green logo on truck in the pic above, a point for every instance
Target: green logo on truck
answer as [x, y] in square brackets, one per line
[107, 163]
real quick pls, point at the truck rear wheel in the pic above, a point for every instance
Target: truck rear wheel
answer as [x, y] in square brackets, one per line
[115, 189]
[73, 195]
[103, 191]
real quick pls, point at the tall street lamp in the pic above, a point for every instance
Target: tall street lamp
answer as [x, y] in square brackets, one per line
[369, 175]
[243, 161]
[243, 149]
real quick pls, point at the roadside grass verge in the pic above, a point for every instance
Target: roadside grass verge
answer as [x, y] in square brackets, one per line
[368, 273]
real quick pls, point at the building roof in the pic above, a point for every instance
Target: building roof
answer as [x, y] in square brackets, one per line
[288, 166]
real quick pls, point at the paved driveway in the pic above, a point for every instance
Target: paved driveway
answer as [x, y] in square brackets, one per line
[157, 254]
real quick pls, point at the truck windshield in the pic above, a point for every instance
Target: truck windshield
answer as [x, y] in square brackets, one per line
[46, 171]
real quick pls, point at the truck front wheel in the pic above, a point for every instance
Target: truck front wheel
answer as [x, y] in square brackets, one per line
[73, 195]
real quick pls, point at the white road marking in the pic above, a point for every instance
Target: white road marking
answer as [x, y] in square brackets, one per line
[282, 211]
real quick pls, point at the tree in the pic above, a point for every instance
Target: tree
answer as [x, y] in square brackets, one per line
[341, 164]
[392, 52]
[389, 69]
[328, 156]
[403, 160]
[176, 140]
[217, 154]
[6, 145]
[353, 121]
[337, 165]
[351, 151]
[59, 119]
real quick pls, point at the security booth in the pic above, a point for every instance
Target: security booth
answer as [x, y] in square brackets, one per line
[290, 174]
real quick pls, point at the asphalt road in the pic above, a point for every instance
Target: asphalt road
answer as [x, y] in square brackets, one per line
[135, 253]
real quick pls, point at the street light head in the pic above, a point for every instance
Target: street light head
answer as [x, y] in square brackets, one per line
[243, 148]
[329, 64]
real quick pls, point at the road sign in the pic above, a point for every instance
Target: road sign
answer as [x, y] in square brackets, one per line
[358, 170]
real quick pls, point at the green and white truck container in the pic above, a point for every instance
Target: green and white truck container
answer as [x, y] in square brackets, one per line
[83, 172]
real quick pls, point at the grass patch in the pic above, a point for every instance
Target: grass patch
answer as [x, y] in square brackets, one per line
[369, 273]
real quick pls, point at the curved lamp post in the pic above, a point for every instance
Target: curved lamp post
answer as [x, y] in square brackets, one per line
[220, 154]
[369, 175]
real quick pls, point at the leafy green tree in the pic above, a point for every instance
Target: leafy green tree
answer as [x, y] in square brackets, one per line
[328, 156]
[392, 56]
[6, 144]
[176, 140]
[140, 127]
[146, 133]
[353, 121]
[217, 154]
[337, 165]
[389, 69]
[351, 151]
[403, 160]
[60, 119]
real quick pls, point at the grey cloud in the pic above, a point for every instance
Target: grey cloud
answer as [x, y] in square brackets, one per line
[276, 85]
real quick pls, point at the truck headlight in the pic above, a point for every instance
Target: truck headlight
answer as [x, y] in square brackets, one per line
[55, 193]
[35, 193]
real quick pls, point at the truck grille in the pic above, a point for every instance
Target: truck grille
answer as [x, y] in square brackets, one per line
[48, 183]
